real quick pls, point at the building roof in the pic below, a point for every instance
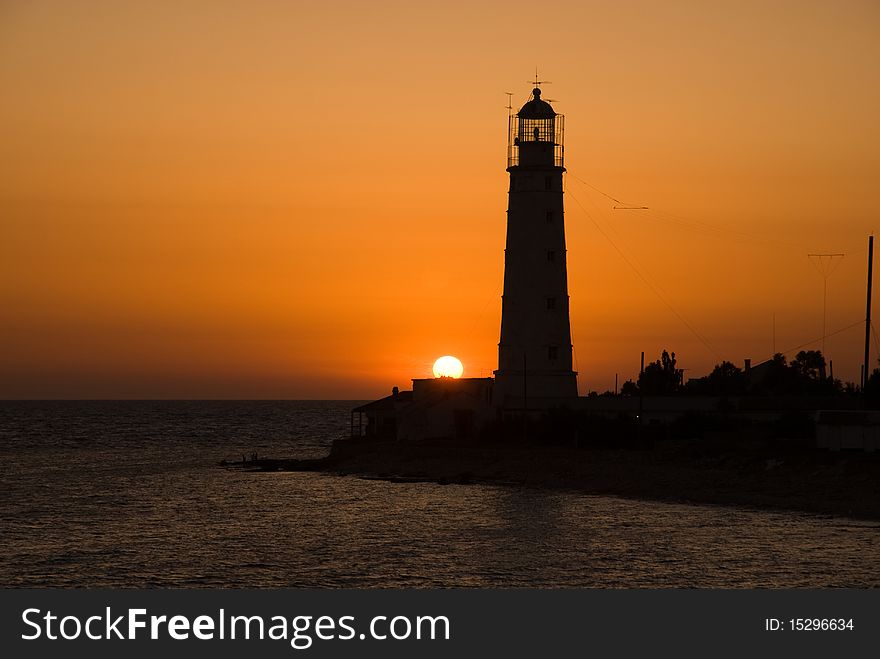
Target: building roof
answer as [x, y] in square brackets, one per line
[536, 108]
[385, 404]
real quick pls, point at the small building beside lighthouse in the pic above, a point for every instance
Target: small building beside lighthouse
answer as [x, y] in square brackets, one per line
[535, 351]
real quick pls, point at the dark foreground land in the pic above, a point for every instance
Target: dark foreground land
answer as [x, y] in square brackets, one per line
[790, 475]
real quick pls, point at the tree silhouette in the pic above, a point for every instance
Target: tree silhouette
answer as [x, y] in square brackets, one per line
[809, 365]
[630, 388]
[726, 379]
[661, 378]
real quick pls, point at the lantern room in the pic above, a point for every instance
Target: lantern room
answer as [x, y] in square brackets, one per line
[535, 135]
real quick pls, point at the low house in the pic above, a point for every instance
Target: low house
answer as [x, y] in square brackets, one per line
[378, 419]
[435, 408]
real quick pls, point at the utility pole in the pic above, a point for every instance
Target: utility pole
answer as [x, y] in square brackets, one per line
[774, 335]
[641, 392]
[866, 369]
[826, 265]
[525, 403]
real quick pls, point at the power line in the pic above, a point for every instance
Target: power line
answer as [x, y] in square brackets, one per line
[644, 279]
[691, 223]
[623, 240]
[722, 233]
[593, 187]
[817, 340]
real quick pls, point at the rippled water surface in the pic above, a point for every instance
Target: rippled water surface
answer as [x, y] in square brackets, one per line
[130, 494]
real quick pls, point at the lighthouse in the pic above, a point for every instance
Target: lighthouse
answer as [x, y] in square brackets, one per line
[535, 351]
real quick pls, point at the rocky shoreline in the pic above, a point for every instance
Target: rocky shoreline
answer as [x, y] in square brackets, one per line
[775, 475]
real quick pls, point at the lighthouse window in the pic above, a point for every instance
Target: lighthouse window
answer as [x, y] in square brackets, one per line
[548, 183]
[551, 303]
[549, 216]
[552, 352]
[551, 255]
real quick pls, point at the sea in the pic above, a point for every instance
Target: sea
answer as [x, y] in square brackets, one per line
[132, 495]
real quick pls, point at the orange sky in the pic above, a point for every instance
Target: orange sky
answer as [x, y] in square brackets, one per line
[307, 200]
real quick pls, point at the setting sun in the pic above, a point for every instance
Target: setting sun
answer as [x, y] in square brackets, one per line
[448, 367]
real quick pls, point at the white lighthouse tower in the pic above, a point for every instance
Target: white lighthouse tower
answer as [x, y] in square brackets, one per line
[534, 354]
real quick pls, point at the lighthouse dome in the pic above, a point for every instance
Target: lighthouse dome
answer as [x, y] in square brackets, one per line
[536, 108]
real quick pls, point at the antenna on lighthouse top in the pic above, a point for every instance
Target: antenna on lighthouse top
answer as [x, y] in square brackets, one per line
[509, 102]
[538, 82]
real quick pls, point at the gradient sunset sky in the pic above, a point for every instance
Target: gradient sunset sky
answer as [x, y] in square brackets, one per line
[307, 199]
